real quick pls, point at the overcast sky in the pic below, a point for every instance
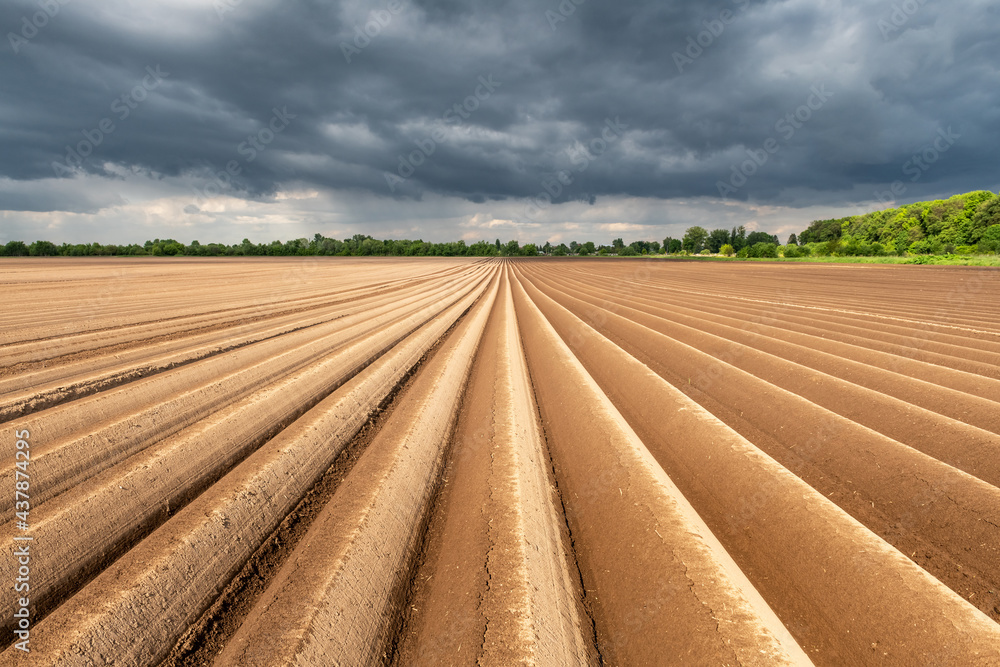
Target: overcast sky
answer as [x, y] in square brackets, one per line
[122, 120]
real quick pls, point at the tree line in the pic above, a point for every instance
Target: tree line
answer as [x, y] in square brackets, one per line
[963, 224]
[736, 241]
[360, 245]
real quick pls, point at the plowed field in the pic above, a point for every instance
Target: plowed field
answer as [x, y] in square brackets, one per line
[329, 461]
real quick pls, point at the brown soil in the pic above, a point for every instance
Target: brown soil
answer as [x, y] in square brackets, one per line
[437, 461]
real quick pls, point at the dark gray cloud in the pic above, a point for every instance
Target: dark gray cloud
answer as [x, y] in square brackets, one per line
[496, 101]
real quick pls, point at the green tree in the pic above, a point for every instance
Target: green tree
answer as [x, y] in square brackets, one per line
[792, 240]
[642, 247]
[481, 249]
[716, 239]
[990, 240]
[738, 237]
[727, 250]
[822, 230]
[43, 249]
[754, 238]
[694, 239]
[250, 249]
[512, 249]
[987, 215]
[15, 249]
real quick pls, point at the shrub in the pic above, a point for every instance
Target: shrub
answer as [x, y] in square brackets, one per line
[990, 241]
[926, 246]
[727, 250]
[762, 249]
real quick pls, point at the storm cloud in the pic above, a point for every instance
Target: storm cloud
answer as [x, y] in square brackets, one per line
[445, 119]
